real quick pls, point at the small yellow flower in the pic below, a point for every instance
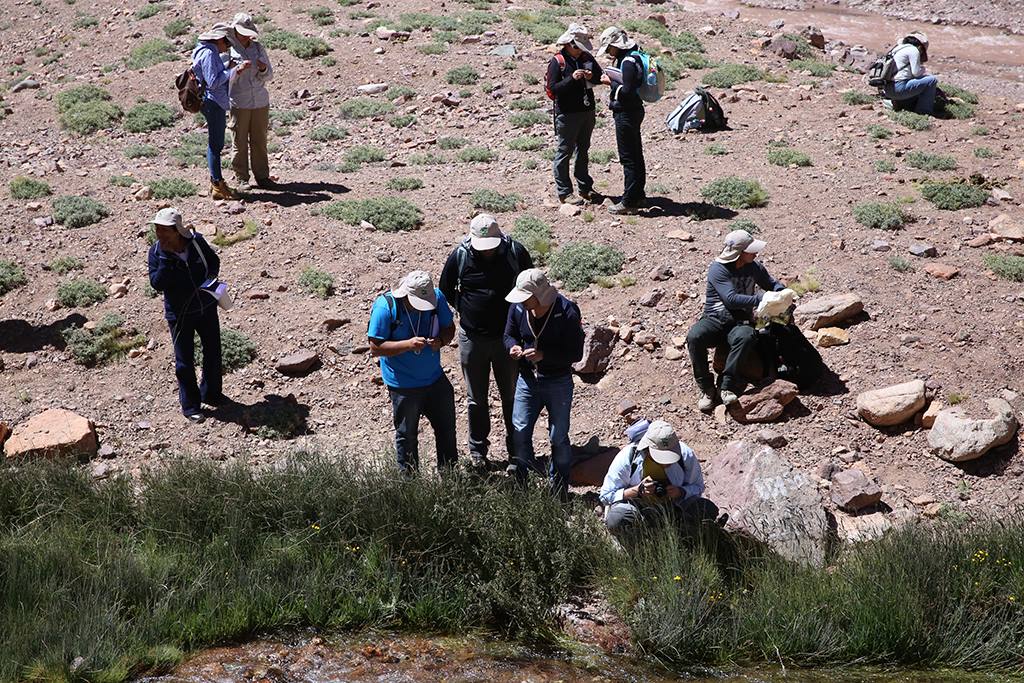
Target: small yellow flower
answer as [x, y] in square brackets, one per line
[1012, 598]
[314, 527]
[677, 578]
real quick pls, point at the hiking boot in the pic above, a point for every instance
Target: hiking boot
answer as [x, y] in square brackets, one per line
[266, 183]
[570, 199]
[196, 418]
[220, 190]
[621, 209]
[478, 463]
[707, 401]
[592, 197]
[728, 397]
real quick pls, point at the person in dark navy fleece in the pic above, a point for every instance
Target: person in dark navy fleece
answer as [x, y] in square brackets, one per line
[625, 80]
[180, 263]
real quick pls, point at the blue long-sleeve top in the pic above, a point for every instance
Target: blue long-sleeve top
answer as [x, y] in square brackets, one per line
[209, 68]
[180, 280]
[561, 337]
[627, 470]
[733, 290]
[625, 96]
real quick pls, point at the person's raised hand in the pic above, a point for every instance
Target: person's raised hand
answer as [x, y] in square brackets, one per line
[516, 351]
[533, 355]
[416, 343]
[579, 74]
[435, 343]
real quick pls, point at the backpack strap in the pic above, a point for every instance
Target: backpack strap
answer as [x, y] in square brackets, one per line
[461, 254]
[632, 459]
[393, 312]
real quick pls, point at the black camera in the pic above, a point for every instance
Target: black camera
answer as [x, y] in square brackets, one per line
[659, 489]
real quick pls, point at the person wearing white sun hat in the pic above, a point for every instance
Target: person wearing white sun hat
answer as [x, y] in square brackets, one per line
[250, 103]
[731, 296]
[408, 328]
[912, 80]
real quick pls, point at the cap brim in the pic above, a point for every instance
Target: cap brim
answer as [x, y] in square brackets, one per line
[212, 36]
[665, 457]
[166, 225]
[422, 304]
[755, 247]
[586, 46]
[518, 296]
[485, 243]
[247, 32]
[728, 256]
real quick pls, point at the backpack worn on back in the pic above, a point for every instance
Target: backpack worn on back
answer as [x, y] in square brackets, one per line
[699, 111]
[883, 71]
[190, 91]
[462, 253]
[560, 58]
[653, 86]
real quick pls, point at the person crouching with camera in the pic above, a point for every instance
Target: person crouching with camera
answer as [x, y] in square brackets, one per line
[654, 477]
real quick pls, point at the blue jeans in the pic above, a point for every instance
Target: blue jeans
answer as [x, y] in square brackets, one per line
[437, 403]
[534, 394]
[924, 89]
[183, 332]
[216, 124]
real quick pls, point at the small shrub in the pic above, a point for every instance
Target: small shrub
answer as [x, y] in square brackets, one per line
[877, 132]
[728, 75]
[476, 154]
[12, 276]
[432, 48]
[884, 166]
[80, 292]
[141, 151]
[526, 143]
[149, 10]
[84, 21]
[389, 214]
[365, 154]
[462, 75]
[542, 27]
[930, 162]
[365, 107]
[744, 224]
[107, 341]
[122, 180]
[716, 150]
[602, 156]
[530, 79]
[525, 104]
[322, 16]
[855, 98]
[250, 229]
[880, 215]
[1006, 266]
[403, 91]
[956, 398]
[787, 156]
[806, 282]
[735, 193]
[452, 143]
[62, 265]
[285, 118]
[952, 196]
[79, 95]
[535, 235]
[328, 61]
[495, 202]
[527, 119]
[580, 263]
[149, 53]
[900, 264]
[980, 130]
[191, 150]
[911, 120]
[983, 153]
[77, 212]
[404, 184]
[87, 109]
[29, 188]
[236, 350]
[403, 121]
[177, 27]
[327, 133]
[819, 69]
[316, 281]
[426, 159]
[170, 188]
[308, 48]
[959, 93]
[147, 117]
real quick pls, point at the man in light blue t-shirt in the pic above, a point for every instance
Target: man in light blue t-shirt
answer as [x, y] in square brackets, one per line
[408, 328]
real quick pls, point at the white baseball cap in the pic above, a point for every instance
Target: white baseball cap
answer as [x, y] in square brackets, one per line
[171, 218]
[662, 443]
[739, 242]
[532, 282]
[418, 287]
[484, 233]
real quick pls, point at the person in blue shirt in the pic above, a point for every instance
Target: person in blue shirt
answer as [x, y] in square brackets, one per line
[215, 77]
[180, 263]
[408, 328]
[658, 476]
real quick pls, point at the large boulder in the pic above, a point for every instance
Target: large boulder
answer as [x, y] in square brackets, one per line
[597, 350]
[784, 46]
[958, 438]
[863, 528]
[852, 490]
[53, 433]
[827, 311]
[766, 498]
[1007, 227]
[893, 405]
[766, 404]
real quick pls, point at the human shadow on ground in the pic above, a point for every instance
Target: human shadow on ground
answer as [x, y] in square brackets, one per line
[993, 463]
[272, 417]
[21, 336]
[663, 206]
[296, 194]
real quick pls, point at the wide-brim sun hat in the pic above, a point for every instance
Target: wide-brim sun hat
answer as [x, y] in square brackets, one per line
[920, 37]
[418, 288]
[613, 36]
[218, 31]
[244, 25]
[577, 35]
[661, 441]
[737, 243]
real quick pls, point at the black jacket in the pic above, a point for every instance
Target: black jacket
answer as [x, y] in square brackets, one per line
[561, 340]
[180, 282]
[481, 302]
[625, 96]
[572, 95]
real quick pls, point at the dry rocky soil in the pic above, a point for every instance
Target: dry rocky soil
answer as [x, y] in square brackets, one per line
[962, 336]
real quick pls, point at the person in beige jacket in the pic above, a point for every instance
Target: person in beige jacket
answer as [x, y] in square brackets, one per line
[250, 103]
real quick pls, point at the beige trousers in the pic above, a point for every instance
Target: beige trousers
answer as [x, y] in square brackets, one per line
[250, 132]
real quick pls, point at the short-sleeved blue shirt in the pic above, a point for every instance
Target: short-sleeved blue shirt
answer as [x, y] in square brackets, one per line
[409, 370]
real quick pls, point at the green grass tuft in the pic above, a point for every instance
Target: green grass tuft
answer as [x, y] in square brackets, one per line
[77, 212]
[177, 27]
[728, 75]
[744, 224]
[881, 215]
[109, 340]
[535, 235]
[149, 53]
[62, 265]
[953, 196]
[716, 149]
[365, 154]
[900, 264]
[930, 162]
[528, 119]
[141, 151]
[365, 107]
[462, 75]
[735, 193]
[1006, 266]
[856, 98]
[452, 143]
[816, 68]
[171, 188]
[29, 188]
[526, 143]
[236, 350]
[495, 202]
[148, 116]
[909, 119]
[476, 155]
[12, 276]
[327, 133]
[877, 132]
[787, 156]
[579, 264]
[250, 229]
[388, 214]
[403, 121]
[404, 184]
[80, 292]
[315, 281]
[884, 166]
[983, 153]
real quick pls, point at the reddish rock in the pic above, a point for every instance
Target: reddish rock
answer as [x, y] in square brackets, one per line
[53, 433]
[766, 405]
[298, 363]
[827, 311]
[597, 350]
[982, 240]
[852, 490]
[943, 271]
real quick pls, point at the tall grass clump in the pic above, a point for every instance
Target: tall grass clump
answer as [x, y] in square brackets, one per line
[735, 193]
[955, 195]
[881, 215]
[787, 156]
[579, 264]
[365, 107]
[389, 214]
[728, 75]
[29, 188]
[911, 120]
[249, 230]
[203, 554]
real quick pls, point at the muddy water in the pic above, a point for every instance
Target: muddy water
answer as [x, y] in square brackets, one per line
[397, 659]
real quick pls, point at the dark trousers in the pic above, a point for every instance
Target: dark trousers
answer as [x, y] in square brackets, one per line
[631, 155]
[183, 332]
[437, 403]
[574, 130]
[710, 332]
[625, 516]
[480, 356]
[216, 125]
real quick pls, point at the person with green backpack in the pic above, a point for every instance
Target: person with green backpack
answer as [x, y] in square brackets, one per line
[626, 79]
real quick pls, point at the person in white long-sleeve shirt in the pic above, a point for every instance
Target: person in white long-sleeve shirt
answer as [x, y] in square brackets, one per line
[912, 79]
[657, 476]
[250, 103]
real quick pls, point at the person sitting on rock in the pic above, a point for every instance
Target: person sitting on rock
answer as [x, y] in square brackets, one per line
[408, 328]
[659, 475]
[729, 315]
[544, 334]
[912, 79]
